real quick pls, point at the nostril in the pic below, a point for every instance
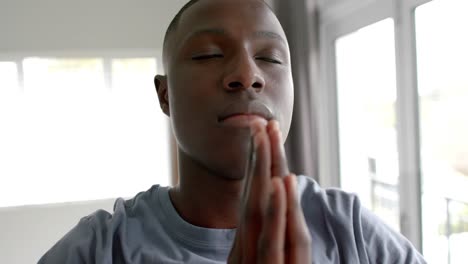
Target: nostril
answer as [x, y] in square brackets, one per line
[235, 85]
[257, 85]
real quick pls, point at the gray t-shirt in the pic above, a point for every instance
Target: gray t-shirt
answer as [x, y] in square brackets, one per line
[148, 229]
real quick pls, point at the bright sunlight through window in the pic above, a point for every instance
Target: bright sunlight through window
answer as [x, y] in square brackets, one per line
[366, 78]
[78, 130]
[442, 52]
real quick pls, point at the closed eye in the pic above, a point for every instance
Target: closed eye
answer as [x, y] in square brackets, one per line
[207, 56]
[270, 60]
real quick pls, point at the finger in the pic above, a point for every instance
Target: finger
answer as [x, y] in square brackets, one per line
[279, 163]
[257, 193]
[299, 244]
[255, 127]
[258, 175]
[251, 157]
[272, 239]
[235, 255]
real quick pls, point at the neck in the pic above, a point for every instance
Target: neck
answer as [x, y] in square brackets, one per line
[205, 199]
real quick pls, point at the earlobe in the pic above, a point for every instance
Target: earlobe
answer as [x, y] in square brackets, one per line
[160, 83]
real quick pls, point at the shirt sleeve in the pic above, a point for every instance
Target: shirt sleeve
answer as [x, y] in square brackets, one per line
[76, 247]
[384, 245]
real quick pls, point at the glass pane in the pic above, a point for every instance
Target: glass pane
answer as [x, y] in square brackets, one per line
[10, 108]
[366, 86]
[9, 91]
[9, 79]
[443, 95]
[141, 122]
[70, 138]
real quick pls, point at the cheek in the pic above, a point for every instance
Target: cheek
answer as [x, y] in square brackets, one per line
[282, 96]
[191, 89]
[191, 96]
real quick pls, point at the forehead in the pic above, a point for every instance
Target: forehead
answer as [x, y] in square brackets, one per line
[232, 16]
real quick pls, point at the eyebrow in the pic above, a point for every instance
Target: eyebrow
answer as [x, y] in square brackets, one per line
[269, 34]
[222, 32]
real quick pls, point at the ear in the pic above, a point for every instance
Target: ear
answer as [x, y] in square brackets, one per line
[160, 82]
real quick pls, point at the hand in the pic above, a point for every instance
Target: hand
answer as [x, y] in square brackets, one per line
[272, 227]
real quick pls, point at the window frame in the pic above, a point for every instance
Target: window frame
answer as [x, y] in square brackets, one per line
[337, 21]
[105, 55]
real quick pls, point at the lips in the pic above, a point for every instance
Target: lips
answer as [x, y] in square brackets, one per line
[245, 110]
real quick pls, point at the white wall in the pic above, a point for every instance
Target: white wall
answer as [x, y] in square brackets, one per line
[68, 27]
[330, 9]
[49, 25]
[26, 233]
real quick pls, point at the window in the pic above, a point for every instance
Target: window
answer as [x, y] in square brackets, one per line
[443, 96]
[394, 116]
[366, 85]
[9, 80]
[80, 129]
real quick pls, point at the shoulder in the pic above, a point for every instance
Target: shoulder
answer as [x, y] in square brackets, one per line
[75, 246]
[92, 239]
[332, 200]
[330, 209]
[348, 222]
[384, 244]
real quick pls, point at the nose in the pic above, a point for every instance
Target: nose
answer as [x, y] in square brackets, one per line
[243, 73]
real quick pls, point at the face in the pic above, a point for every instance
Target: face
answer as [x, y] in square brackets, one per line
[228, 62]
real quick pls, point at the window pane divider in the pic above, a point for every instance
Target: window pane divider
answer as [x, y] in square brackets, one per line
[20, 72]
[407, 107]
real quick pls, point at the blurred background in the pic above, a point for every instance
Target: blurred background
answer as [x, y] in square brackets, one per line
[381, 110]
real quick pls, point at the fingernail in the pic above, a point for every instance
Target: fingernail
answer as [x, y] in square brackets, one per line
[262, 121]
[256, 125]
[276, 124]
[275, 181]
[293, 182]
[256, 140]
[280, 135]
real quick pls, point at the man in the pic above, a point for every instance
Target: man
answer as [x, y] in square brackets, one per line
[228, 91]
